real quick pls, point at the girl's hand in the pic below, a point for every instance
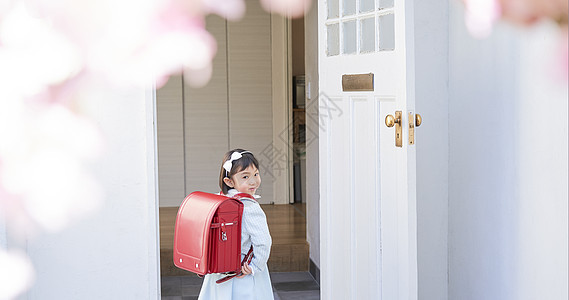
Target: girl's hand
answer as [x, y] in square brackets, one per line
[246, 270]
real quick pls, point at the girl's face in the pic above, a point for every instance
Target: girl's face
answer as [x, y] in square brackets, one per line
[246, 181]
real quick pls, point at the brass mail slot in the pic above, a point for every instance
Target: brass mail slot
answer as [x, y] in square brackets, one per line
[357, 82]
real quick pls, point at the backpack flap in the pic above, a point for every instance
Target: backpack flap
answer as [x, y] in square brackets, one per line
[192, 231]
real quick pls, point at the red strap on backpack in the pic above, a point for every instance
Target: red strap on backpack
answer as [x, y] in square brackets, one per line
[247, 259]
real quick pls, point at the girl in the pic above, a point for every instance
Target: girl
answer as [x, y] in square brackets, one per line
[240, 174]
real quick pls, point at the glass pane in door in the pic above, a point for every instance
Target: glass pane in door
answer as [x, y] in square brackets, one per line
[367, 36]
[333, 9]
[366, 5]
[333, 39]
[350, 37]
[386, 32]
[385, 4]
[349, 7]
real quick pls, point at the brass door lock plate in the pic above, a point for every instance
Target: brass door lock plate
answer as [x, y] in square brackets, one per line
[413, 122]
[411, 128]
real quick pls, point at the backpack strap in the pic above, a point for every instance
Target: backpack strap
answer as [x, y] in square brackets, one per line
[240, 196]
[247, 259]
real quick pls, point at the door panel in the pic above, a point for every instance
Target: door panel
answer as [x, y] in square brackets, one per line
[388, 212]
[364, 205]
[340, 215]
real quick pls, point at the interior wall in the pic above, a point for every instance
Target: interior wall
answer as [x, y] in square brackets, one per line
[196, 126]
[250, 96]
[206, 120]
[113, 253]
[508, 230]
[431, 142]
[312, 156]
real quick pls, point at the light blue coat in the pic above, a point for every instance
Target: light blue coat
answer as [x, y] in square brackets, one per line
[256, 286]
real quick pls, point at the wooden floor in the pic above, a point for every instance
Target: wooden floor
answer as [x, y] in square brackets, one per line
[287, 224]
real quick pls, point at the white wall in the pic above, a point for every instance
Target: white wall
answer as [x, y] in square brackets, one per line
[431, 92]
[508, 165]
[542, 175]
[113, 253]
[312, 157]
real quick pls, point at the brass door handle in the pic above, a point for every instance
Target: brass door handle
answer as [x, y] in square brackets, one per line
[390, 121]
[396, 121]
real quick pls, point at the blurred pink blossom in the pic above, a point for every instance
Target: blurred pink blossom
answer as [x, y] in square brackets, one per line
[289, 8]
[44, 149]
[131, 42]
[229, 9]
[480, 16]
[527, 12]
[33, 55]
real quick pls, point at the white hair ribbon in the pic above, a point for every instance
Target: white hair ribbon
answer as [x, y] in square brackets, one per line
[234, 156]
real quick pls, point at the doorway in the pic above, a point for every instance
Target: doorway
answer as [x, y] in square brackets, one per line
[247, 104]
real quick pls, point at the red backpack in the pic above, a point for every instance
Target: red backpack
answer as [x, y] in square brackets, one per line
[207, 236]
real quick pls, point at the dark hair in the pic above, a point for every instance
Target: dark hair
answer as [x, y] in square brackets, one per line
[238, 165]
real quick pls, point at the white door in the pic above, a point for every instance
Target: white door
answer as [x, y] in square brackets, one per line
[367, 184]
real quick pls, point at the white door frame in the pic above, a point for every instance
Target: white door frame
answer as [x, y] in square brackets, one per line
[153, 192]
